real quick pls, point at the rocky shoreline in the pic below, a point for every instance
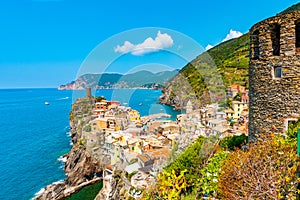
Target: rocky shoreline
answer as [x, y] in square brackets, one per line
[89, 160]
[81, 167]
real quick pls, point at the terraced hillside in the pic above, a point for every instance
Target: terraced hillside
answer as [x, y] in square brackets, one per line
[212, 71]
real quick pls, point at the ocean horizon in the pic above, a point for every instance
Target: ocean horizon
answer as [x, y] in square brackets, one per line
[34, 135]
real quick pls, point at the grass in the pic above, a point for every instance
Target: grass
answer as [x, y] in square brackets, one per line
[87, 193]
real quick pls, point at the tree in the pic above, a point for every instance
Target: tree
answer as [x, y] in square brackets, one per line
[99, 98]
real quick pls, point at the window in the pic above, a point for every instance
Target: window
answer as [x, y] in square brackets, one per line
[289, 122]
[277, 72]
[297, 31]
[275, 37]
[255, 44]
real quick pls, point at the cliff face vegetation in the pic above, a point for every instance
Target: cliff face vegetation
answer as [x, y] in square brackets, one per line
[204, 78]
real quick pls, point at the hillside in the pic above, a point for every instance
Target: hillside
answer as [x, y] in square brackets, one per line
[231, 58]
[291, 9]
[193, 81]
[107, 80]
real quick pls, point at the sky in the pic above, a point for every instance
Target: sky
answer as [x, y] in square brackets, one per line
[46, 43]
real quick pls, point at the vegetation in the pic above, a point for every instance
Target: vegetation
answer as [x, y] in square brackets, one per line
[99, 98]
[293, 129]
[208, 182]
[291, 9]
[87, 128]
[266, 171]
[231, 58]
[171, 185]
[193, 157]
[87, 193]
[232, 142]
[212, 71]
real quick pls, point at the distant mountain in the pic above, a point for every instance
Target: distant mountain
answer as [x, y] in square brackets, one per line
[144, 79]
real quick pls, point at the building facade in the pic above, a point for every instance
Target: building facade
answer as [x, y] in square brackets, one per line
[274, 74]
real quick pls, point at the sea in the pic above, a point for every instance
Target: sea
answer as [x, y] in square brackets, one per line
[34, 136]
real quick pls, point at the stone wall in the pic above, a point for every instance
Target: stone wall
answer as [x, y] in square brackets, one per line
[274, 101]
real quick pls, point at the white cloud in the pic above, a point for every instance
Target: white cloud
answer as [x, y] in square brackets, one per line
[161, 41]
[208, 47]
[232, 34]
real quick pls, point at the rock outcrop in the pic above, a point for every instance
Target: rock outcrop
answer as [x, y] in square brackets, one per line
[198, 82]
[81, 167]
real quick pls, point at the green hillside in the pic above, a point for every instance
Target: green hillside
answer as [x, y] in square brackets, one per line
[232, 60]
[291, 9]
[212, 71]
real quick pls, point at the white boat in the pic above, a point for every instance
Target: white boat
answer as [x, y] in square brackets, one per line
[46, 103]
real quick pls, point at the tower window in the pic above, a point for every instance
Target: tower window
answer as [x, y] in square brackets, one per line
[277, 72]
[275, 37]
[255, 44]
[297, 31]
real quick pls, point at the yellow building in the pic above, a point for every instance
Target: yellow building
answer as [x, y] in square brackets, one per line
[134, 115]
[134, 145]
[237, 108]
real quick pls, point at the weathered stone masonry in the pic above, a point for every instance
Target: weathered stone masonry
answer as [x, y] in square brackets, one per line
[274, 74]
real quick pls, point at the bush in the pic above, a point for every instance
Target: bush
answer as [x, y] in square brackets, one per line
[293, 129]
[266, 171]
[169, 186]
[208, 182]
[231, 142]
[99, 98]
[193, 158]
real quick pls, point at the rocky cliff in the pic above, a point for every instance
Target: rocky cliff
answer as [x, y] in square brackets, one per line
[81, 167]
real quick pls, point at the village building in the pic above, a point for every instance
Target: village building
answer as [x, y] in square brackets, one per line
[234, 89]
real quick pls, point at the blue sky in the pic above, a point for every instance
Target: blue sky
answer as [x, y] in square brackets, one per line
[43, 43]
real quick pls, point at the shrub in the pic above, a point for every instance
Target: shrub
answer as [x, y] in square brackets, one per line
[231, 142]
[293, 129]
[266, 171]
[193, 158]
[208, 182]
[87, 128]
[169, 185]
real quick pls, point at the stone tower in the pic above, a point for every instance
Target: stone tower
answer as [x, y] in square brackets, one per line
[189, 108]
[88, 92]
[274, 74]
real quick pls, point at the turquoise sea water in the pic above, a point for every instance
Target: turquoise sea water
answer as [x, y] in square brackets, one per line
[34, 135]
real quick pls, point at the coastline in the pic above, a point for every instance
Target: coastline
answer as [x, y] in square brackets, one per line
[81, 166]
[80, 169]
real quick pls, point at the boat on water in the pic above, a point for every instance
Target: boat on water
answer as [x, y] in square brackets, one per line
[47, 103]
[140, 104]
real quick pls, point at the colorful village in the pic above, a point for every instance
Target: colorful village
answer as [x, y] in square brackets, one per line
[141, 146]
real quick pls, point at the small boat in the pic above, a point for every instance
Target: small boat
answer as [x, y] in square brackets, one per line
[140, 104]
[46, 103]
